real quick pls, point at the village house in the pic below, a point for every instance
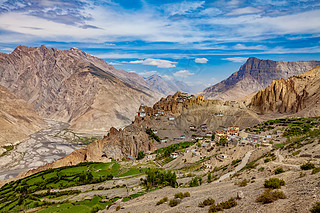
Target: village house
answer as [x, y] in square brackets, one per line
[163, 140]
[219, 114]
[174, 155]
[184, 94]
[221, 134]
[141, 114]
[233, 131]
[160, 112]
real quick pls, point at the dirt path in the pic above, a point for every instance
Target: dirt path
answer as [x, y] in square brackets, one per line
[238, 168]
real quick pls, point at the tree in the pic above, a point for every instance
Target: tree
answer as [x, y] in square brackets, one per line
[223, 141]
[213, 136]
[209, 178]
[140, 155]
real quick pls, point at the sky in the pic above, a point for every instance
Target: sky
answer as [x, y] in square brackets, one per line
[198, 42]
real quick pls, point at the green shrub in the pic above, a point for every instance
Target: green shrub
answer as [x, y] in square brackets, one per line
[173, 202]
[163, 200]
[274, 183]
[242, 183]
[182, 195]
[307, 166]
[270, 196]
[179, 195]
[315, 170]
[261, 169]
[141, 155]
[223, 205]
[195, 182]
[229, 203]
[206, 202]
[187, 194]
[118, 208]
[315, 208]
[209, 178]
[215, 208]
[278, 171]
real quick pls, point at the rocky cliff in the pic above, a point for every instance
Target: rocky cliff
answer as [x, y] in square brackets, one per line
[17, 118]
[255, 75]
[298, 94]
[75, 87]
[116, 145]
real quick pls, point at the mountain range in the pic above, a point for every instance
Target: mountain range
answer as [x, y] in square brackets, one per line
[74, 87]
[255, 75]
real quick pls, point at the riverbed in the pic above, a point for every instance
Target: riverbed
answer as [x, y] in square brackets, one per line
[41, 148]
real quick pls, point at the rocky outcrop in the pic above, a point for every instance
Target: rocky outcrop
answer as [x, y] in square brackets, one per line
[116, 145]
[17, 118]
[296, 94]
[255, 75]
[75, 87]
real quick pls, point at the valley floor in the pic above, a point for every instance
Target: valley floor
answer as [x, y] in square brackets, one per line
[41, 148]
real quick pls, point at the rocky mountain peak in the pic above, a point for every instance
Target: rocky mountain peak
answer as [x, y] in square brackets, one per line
[254, 75]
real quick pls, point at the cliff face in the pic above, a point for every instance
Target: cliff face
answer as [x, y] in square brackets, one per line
[74, 87]
[299, 93]
[17, 118]
[255, 75]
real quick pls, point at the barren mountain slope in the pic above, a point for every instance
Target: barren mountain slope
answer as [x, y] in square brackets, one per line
[63, 86]
[166, 87]
[17, 118]
[298, 94]
[255, 75]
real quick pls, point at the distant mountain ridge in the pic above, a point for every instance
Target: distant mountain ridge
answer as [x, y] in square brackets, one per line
[167, 87]
[255, 75]
[74, 87]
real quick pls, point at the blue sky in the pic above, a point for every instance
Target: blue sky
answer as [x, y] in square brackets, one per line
[199, 42]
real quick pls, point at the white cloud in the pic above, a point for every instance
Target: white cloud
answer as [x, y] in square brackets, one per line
[149, 73]
[182, 8]
[201, 60]
[7, 49]
[236, 59]
[167, 77]
[114, 63]
[183, 73]
[244, 10]
[155, 62]
[244, 47]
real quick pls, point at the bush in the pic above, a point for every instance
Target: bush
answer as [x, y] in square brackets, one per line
[215, 208]
[274, 183]
[229, 204]
[278, 171]
[118, 208]
[206, 202]
[223, 205]
[195, 182]
[315, 170]
[173, 202]
[315, 208]
[140, 155]
[163, 200]
[307, 166]
[268, 196]
[242, 183]
[182, 195]
[187, 194]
